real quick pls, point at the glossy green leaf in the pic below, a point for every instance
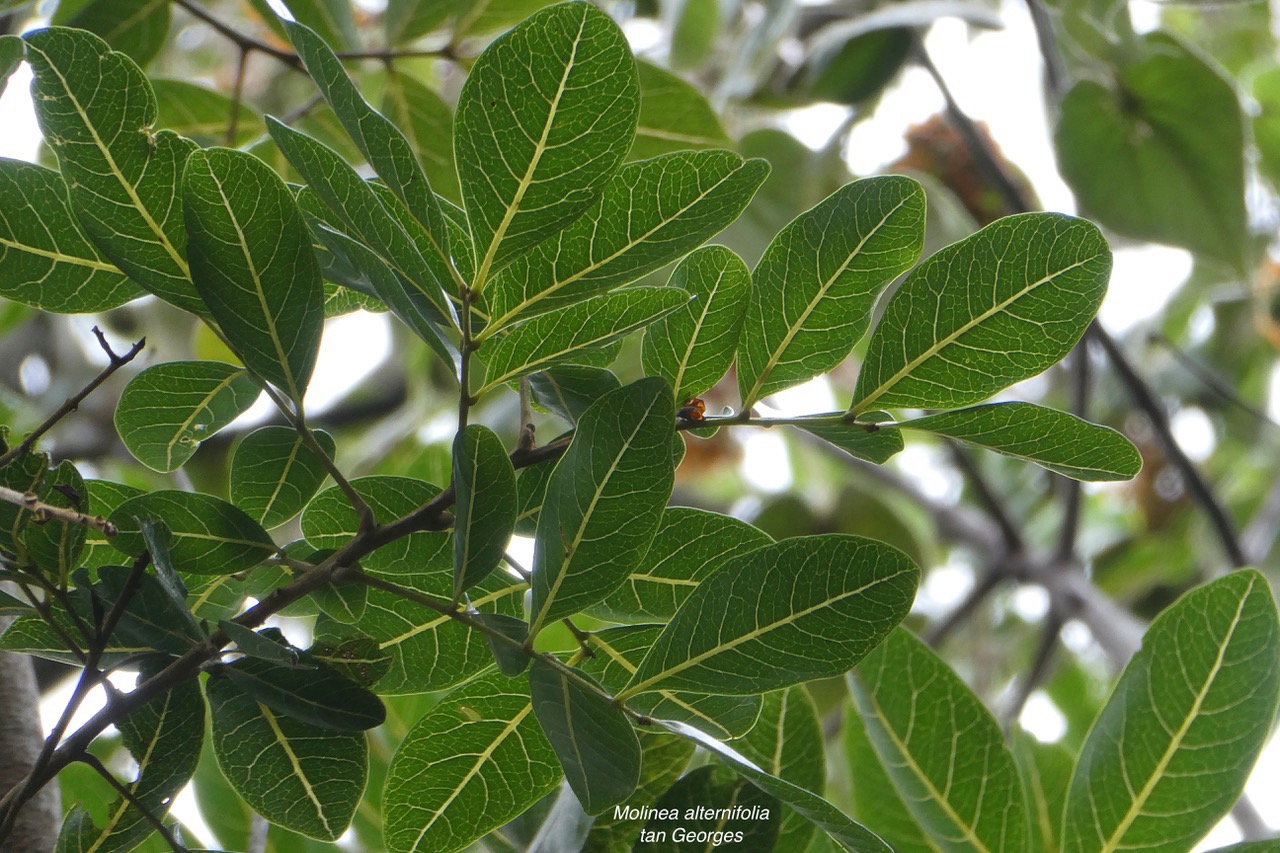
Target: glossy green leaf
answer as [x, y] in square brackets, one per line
[274, 473]
[252, 263]
[294, 774]
[169, 408]
[485, 509]
[840, 827]
[994, 309]
[617, 653]
[544, 119]
[689, 546]
[549, 339]
[663, 760]
[592, 737]
[804, 608]
[210, 536]
[1055, 440]
[1161, 156]
[203, 114]
[568, 390]
[814, 288]
[97, 112]
[876, 803]
[700, 797]
[867, 441]
[317, 695]
[1172, 748]
[941, 747]
[163, 738]
[650, 213]
[674, 116]
[787, 742]
[474, 762]
[45, 260]
[604, 501]
[427, 123]
[693, 347]
[136, 28]
[381, 142]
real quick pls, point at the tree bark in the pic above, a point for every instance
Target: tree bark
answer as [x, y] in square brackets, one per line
[20, 741]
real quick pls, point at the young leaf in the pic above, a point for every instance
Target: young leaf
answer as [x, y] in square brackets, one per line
[1055, 440]
[1160, 157]
[674, 116]
[485, 512]
[568, 390]
[97, 111]
[617, 654]
[381, 142]
[689, 546]
[941, 747]
[752, 628]
[592, 737]
[814, 288]
[693, 347]
[294, 774]
[252, 263]
[994, 309]
[544, 119]
[787, 742]
[274, 473]
[650, 213]
[45, 260]
[1173, 746]
[604, 500]
[169, 408]
[551, 338]
[473, 762]
[317, 695]
[702, 795]
[427, 123]
[210, 536]
[844, 831]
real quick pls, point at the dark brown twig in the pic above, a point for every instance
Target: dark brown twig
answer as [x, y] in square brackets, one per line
[123, 790]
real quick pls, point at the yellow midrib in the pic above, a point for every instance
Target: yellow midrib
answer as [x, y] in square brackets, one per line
[101, 266]
[296, 763]
[203, 405]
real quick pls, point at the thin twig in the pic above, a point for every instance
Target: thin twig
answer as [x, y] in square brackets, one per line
[962, 611]
[237, 95]
[43, 512]
[114, 363]
[987, 496]
[1040, 664]
[1072, 494]
[123, 790]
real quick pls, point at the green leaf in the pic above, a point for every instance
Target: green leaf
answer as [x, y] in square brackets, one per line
[475, 761]
[262, 646]
[568, 390]
[689, 546]
[941, 747]
[1266, 124]
[696, 27]
[97, 112]
[356, 656]
[544, 119]
[1055, 440]
[294, 774]
[274, 473]
[55, 546]
[381, 142]
[203, 114]
[693, 347]
[604, 500]
[210, 536]
[787, 742]
[846, 832]
[103, 497]
[1046, 773]
[650, 213]
[417, 291]
[814, 288]
[11, 54]
[164, 738]
[136, 28]
[485, 511]
[754, 628]
[169, 408]
[531, 491]
[867, 441]
[876, 802]
[252, 263]
[45, 260]
[427, 123]
[674, 116]
[318, 695]
[151, 619]
[551, 338]
[699, 798]
[1161, 156]
[591, 736]
[24, 474]
[617, 654]
[663, 760]
[1172, 748]
[329, 522]
[994, 309]
[511, 657]
[476, 17]
[406, 20]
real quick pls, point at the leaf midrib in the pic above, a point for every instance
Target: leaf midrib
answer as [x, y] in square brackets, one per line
[201, 407]
[296, 763]
[60, 257]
